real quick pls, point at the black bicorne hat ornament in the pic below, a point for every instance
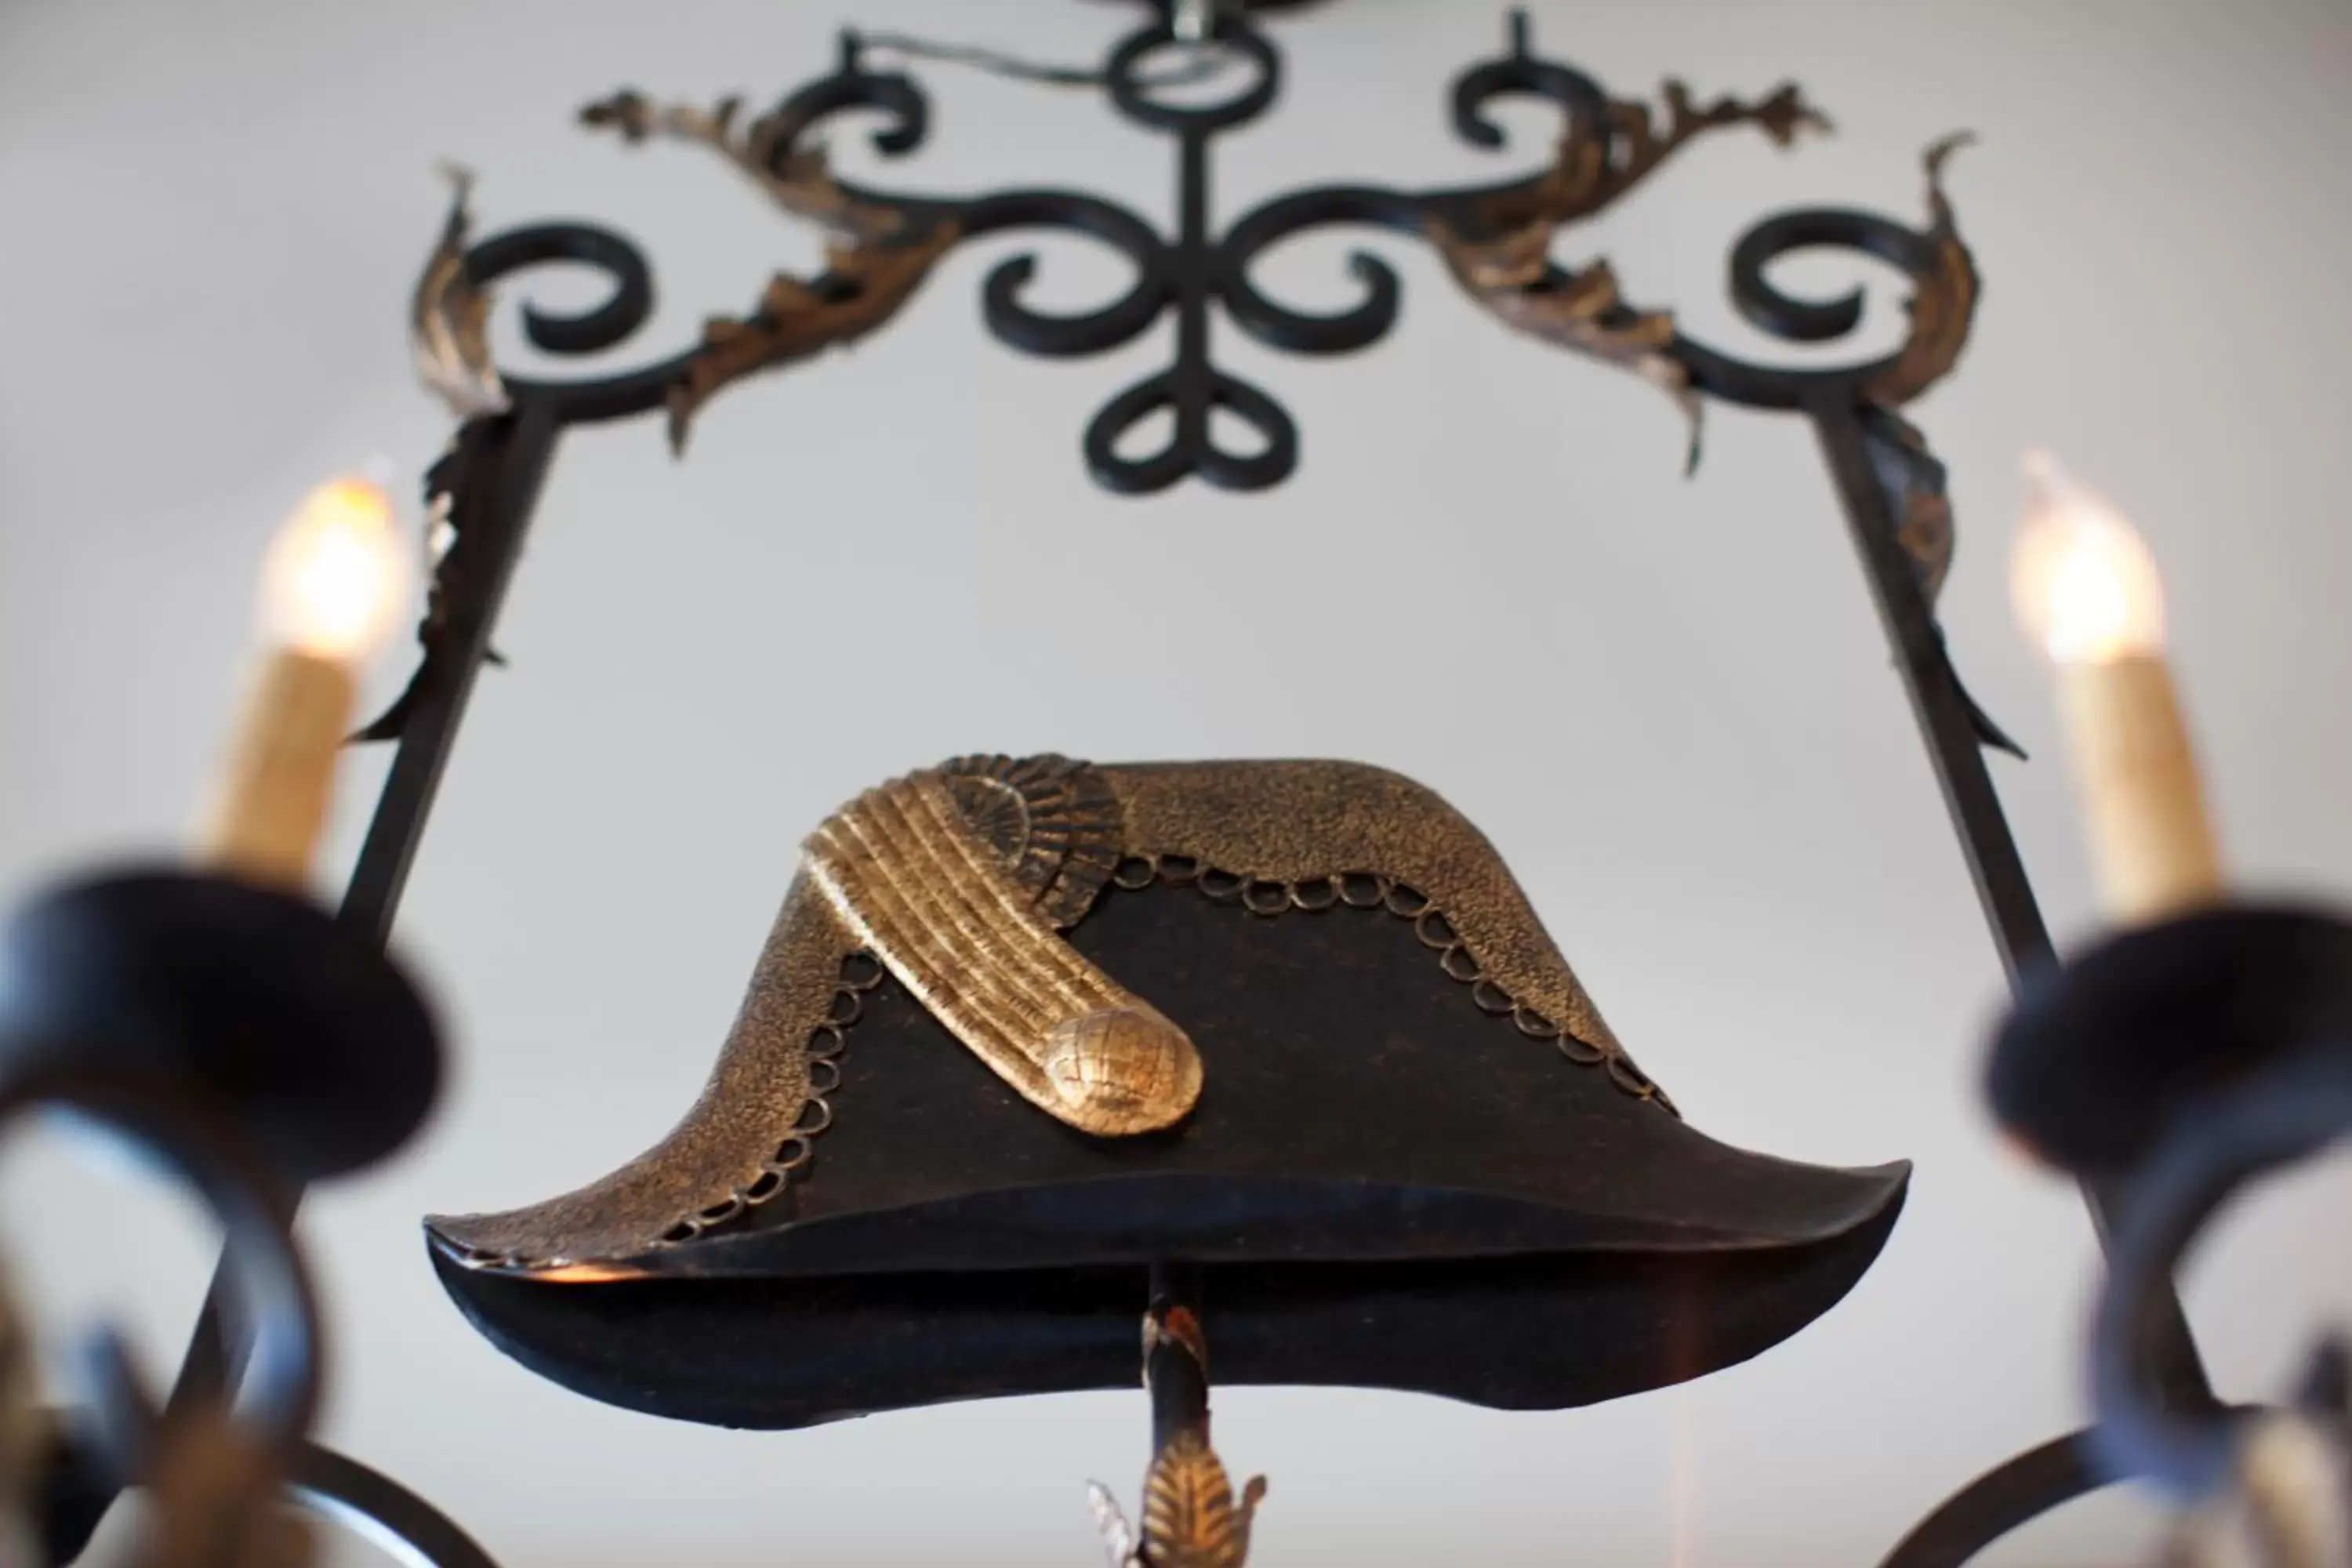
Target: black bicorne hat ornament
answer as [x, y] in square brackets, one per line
[1024, 1028]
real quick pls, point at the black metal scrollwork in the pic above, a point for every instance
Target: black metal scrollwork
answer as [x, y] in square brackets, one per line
[1495, 238]
[1942, 309]
[212, 1468]
[603, 326]
[2184, 1062]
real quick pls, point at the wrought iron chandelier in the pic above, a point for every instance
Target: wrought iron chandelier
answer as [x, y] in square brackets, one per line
[1044, 1056]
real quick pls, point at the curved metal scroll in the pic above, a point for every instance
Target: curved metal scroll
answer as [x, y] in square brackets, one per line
[280, 1394]
[1942, 308]
[214, 1468]
[373, 1505]
[1496, 240]
[2142, 1435]
[2278, 1120]
[2005, 1498]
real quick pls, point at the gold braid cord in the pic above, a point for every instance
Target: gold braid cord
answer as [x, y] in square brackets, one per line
[873, 265]
[923, 892]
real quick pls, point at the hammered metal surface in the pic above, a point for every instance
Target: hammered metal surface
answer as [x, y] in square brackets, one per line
[755, 1098]
[1304, 821]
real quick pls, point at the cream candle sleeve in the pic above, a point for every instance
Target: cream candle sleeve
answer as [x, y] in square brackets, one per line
[2151, 843]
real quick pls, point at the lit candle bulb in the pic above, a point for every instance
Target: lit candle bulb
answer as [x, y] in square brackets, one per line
[333, 587]
[2088, 594]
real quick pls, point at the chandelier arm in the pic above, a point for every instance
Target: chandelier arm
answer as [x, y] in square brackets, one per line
[261, 1267]
[2146, 1430]
[372, 1504]
[1310, 333]
[2282, 1117]
[850, 86]
[1942, 309]
[1843, 428]
[1175, 1369]
[490, 478]
[487, 486]
[1519, 72]
[1948, 723]
[620, 316]
[212, 1463]
[2011, 1495]
[1061, 335]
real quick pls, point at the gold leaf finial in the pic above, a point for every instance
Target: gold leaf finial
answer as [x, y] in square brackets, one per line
[1189, 1517]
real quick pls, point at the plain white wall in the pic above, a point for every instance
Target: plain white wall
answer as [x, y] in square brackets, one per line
[1667, 702]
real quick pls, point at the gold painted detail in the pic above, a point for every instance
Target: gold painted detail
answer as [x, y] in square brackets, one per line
[1504, 261]
[1596, 164]
[796, 1156]
[798, 181]
[1190, 1517]
[791, 1162]
[1923, 523]
[448, 318]
[1300, 822]
[798, 319]
[1179, 1326]
[1582, 309]
[874, 261]
[909, 873]
[1266, 835]
[1944, 304]
[1370, 890]
[1054, 822]
[772, 1092]
[1190, 1520]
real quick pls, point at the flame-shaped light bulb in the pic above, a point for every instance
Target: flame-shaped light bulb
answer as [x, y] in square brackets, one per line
[2085, 586]
[336, 578]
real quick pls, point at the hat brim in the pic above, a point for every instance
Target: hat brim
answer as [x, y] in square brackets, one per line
[1525, 1332]
[1386, 1186]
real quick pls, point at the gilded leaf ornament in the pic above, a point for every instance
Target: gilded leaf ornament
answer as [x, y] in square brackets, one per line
[1189, 1517]
[872, 264]
[448, 317]
[1508, 268]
